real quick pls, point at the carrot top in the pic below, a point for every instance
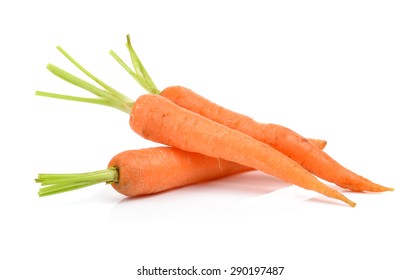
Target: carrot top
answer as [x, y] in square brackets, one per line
[106, 95]
[58, 183]
[139, 73]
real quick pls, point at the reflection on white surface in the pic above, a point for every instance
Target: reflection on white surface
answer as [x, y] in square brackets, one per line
[216, 196]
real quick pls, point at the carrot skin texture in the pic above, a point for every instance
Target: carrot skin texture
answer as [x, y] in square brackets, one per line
[158, 119]
[141, 172]
[293, 145]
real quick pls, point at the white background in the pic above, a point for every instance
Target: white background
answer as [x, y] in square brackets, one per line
[344, 71]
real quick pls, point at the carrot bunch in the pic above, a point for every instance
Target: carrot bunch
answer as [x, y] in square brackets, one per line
[203, 141]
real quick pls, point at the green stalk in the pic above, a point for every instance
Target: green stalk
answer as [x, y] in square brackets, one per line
[113, 92]
[106, 95]
[59, 183]
[98, 101]
[139, 68]
[66, 76]
[139, 73]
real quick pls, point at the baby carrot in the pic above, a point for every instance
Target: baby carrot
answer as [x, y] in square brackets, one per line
[141, 172]
[281, 138]
[160, 120]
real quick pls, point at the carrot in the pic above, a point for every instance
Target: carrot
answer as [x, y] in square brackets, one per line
[281, 138]
[140, 172]
[160, 120]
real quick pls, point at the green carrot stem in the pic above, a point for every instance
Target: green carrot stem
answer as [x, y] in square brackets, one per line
[72, 79]
[58, 183]
[139, 68]
[114, 92]
[98, 101]
[106, 95]
[139, 73]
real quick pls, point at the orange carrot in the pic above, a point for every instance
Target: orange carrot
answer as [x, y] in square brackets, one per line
[157, 119]
[281, 138]
[160, 120]
[141, 172]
